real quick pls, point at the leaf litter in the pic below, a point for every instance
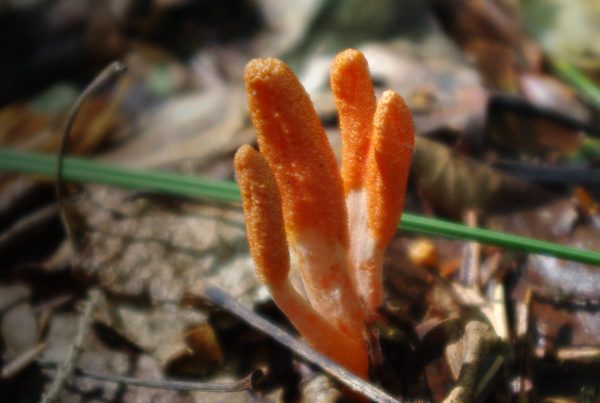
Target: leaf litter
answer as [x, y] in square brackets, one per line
[442, 336]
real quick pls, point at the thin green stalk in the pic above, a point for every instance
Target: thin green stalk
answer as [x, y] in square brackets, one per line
[87, 171]
[80, 170]
[586, 87]
[433, 226]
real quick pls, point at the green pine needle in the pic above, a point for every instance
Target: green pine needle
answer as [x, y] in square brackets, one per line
[584, 86]
[87, 171]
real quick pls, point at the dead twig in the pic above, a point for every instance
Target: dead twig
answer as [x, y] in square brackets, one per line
[46, 310]
[20, 196]
[223, 300]
[501, 102]
[497, 299]
[470, 267]
[579, 353]
[479, 342]
[66, 370]
[550, 175]
[522, 386]
[22, 361]
[249, 382]
[111, 71]
[27, 224]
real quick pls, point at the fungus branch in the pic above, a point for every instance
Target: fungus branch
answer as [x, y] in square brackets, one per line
[303, 214]
[377, 144]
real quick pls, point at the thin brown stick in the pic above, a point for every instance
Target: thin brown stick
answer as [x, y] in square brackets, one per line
[470, 268]
[26, 224]
[223, 300]
[501, 102]
[45, 311]
[578, 353]
[22, 361]
[109, 72]
[523, 387]
[249, 382]
[66, 370]
[479, 342]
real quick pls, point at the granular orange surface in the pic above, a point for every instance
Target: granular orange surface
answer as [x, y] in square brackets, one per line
[264, 219]
[294, 143]
[388, 165]
[355, 102]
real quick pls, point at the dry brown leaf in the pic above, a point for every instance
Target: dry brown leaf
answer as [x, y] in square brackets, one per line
[162, 330]
[155, 250]
[452, 183]
[193, 128]
[163, 248]
[18, 324]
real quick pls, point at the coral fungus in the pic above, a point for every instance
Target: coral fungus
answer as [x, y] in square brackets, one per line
[303, 215]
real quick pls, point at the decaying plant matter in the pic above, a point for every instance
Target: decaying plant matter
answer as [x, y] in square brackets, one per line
[303, 215]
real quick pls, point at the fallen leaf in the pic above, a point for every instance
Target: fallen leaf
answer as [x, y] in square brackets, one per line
[141, 246]
[452, 183]
[18, 323]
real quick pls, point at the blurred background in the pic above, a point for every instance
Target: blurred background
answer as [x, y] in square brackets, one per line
[506, 103]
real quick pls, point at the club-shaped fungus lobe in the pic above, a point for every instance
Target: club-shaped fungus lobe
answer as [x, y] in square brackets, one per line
[268, 246]
[303, 213]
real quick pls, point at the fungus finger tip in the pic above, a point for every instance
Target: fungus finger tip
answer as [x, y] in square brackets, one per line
[348, 55]
[265, 70]
[392, 111]
[264, 220]
[348, 62]
[242, 155]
